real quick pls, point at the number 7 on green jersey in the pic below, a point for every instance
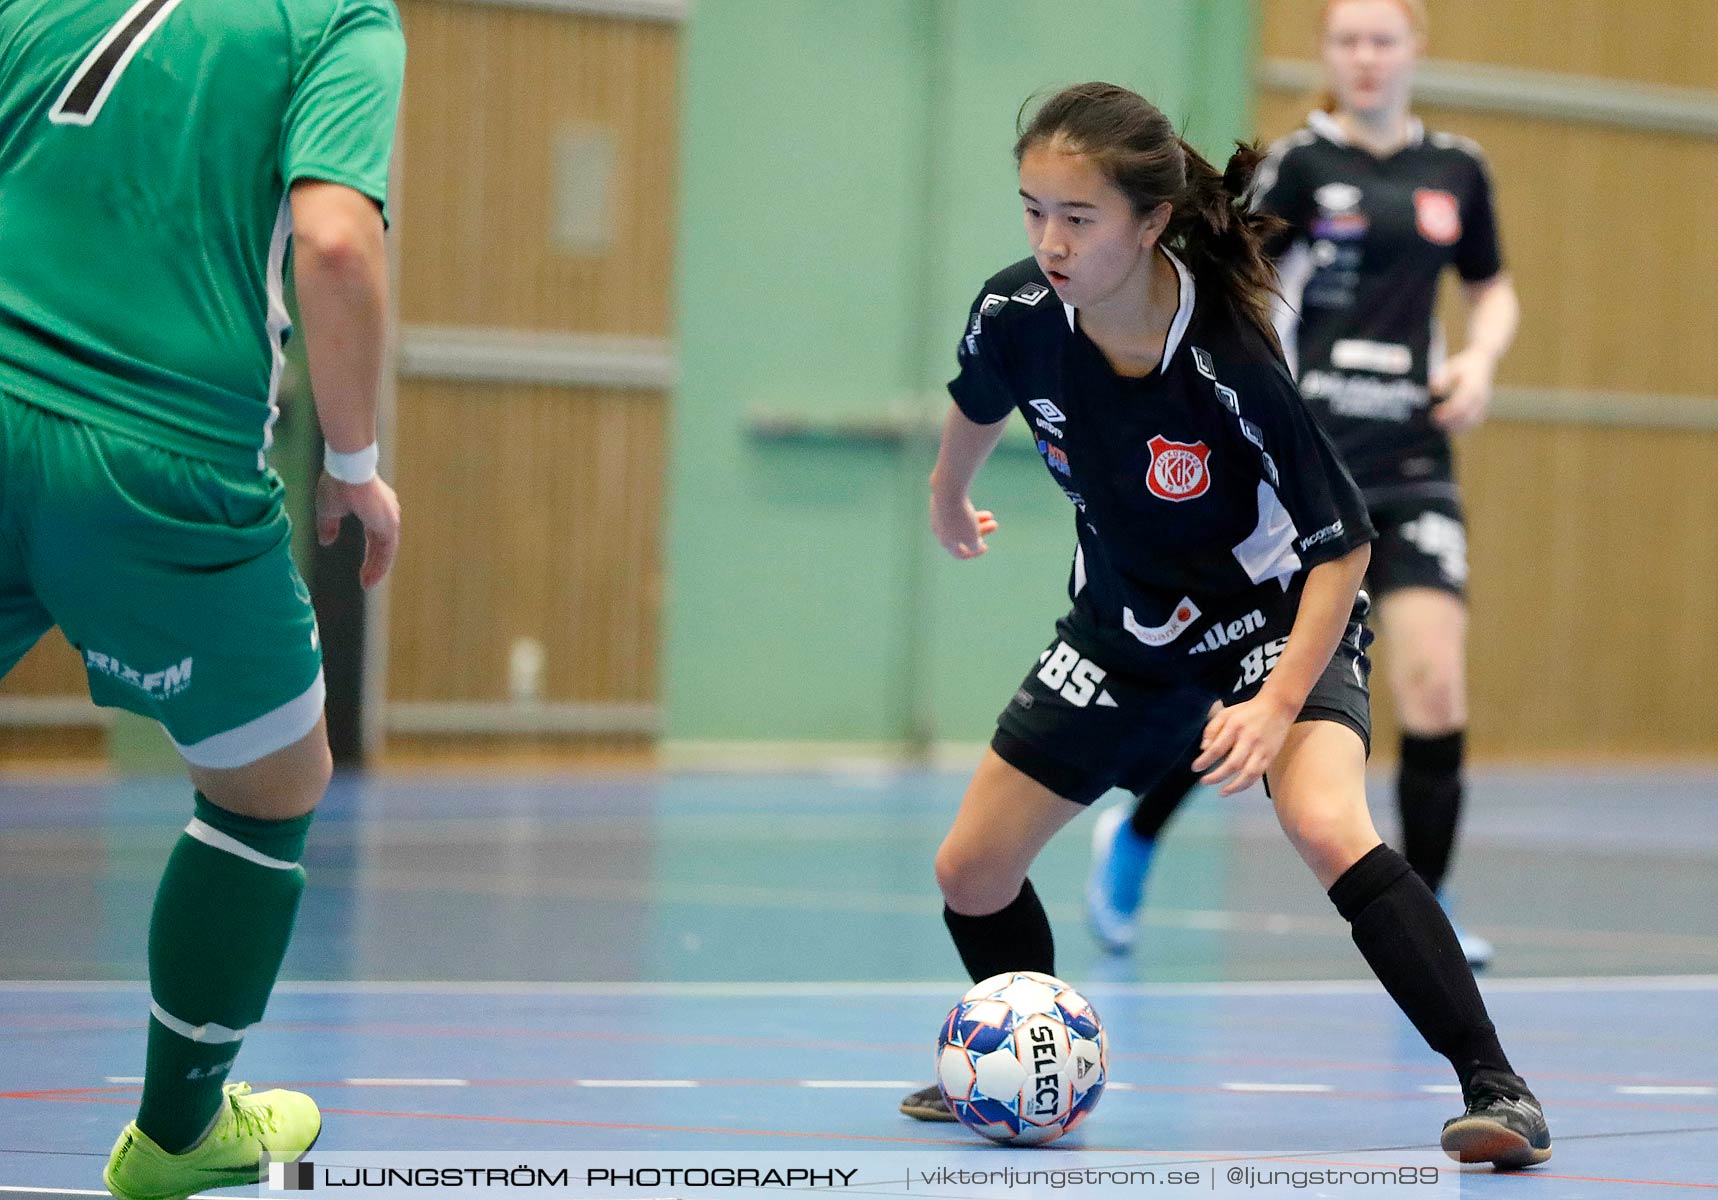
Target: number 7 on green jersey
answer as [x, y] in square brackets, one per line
[85, 93]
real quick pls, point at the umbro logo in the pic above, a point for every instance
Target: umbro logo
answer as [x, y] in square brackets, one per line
[1049, 417]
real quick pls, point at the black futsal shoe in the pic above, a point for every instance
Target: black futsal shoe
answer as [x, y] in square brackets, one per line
[927, 1104]
[1503, 1124]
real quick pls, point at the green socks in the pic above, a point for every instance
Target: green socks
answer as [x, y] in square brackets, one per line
[222, 919]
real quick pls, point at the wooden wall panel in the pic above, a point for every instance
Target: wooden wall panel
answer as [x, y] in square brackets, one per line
[1665, 42]
[52, 668]
[519, 751]
[34, 749]
[528, 512]
[488, 91]
[1594, 557]
[1593, 632]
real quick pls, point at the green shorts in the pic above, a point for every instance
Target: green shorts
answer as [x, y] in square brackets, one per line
[172, 576]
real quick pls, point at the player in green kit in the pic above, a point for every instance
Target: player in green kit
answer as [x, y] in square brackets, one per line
[157, 160]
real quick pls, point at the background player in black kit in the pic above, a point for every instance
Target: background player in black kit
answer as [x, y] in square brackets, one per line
[1376, 210]
[1221, 546]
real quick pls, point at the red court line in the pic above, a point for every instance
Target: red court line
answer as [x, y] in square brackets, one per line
[97, 1095]
[565, 1123]
[788, 1133]
[30, 1025]
[1163, 1088]
[1226, 1060]
[1535, 1173]
[1523, 1173]
[467, 1032]
[785, 1133]
[1168, 1089]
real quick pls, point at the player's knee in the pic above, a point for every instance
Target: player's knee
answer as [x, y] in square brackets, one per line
[277, 787]
[970, 884]
[955, 873]
[302, 777]
[1432, 699]
[1326, 837]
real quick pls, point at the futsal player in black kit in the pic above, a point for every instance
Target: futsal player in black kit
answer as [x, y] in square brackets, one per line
[1137, 344]
[1376, 210]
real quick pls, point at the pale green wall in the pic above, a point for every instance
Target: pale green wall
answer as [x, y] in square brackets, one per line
[846, 187]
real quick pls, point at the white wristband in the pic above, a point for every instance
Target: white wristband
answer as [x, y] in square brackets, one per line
[354, 468]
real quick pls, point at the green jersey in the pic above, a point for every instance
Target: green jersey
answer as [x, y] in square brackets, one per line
[146, 151]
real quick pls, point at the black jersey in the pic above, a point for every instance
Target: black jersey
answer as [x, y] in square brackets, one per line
[1202, 491]
[1367, 240]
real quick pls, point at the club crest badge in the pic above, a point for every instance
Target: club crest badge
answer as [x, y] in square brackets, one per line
[1437, 216]
[1179, 470]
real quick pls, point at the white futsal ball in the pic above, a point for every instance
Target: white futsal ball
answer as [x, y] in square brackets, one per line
[1022, 1058]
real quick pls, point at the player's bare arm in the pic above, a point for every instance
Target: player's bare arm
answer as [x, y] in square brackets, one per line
[1465, 380]
[1242, 742]
[966, 445]
[341, 267]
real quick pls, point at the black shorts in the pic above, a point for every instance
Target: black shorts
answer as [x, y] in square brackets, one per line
[1080, 728]
[1422, 542]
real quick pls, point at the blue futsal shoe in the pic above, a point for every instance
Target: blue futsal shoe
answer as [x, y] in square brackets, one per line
[1477, 950]
[1120, 861]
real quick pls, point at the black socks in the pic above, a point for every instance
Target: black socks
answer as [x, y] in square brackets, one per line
[1015, 939]
[1408, 943]
[1154, 808]
[1429, 795]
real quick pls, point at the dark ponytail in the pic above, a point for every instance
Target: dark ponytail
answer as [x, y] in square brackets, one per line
[1223, 237]
[1211, 226]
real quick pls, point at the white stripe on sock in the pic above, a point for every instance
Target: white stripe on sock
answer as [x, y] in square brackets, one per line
[210, 836]
[210, 1034]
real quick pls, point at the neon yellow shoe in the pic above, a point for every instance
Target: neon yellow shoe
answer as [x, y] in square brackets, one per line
[281, 1124]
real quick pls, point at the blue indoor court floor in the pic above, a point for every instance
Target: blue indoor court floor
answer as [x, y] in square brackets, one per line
[693, 961]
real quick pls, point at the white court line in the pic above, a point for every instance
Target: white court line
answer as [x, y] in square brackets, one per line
[1434, 1089]
[787, 989]
[861, 1083]
[376, 1082]
[636, 1083]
